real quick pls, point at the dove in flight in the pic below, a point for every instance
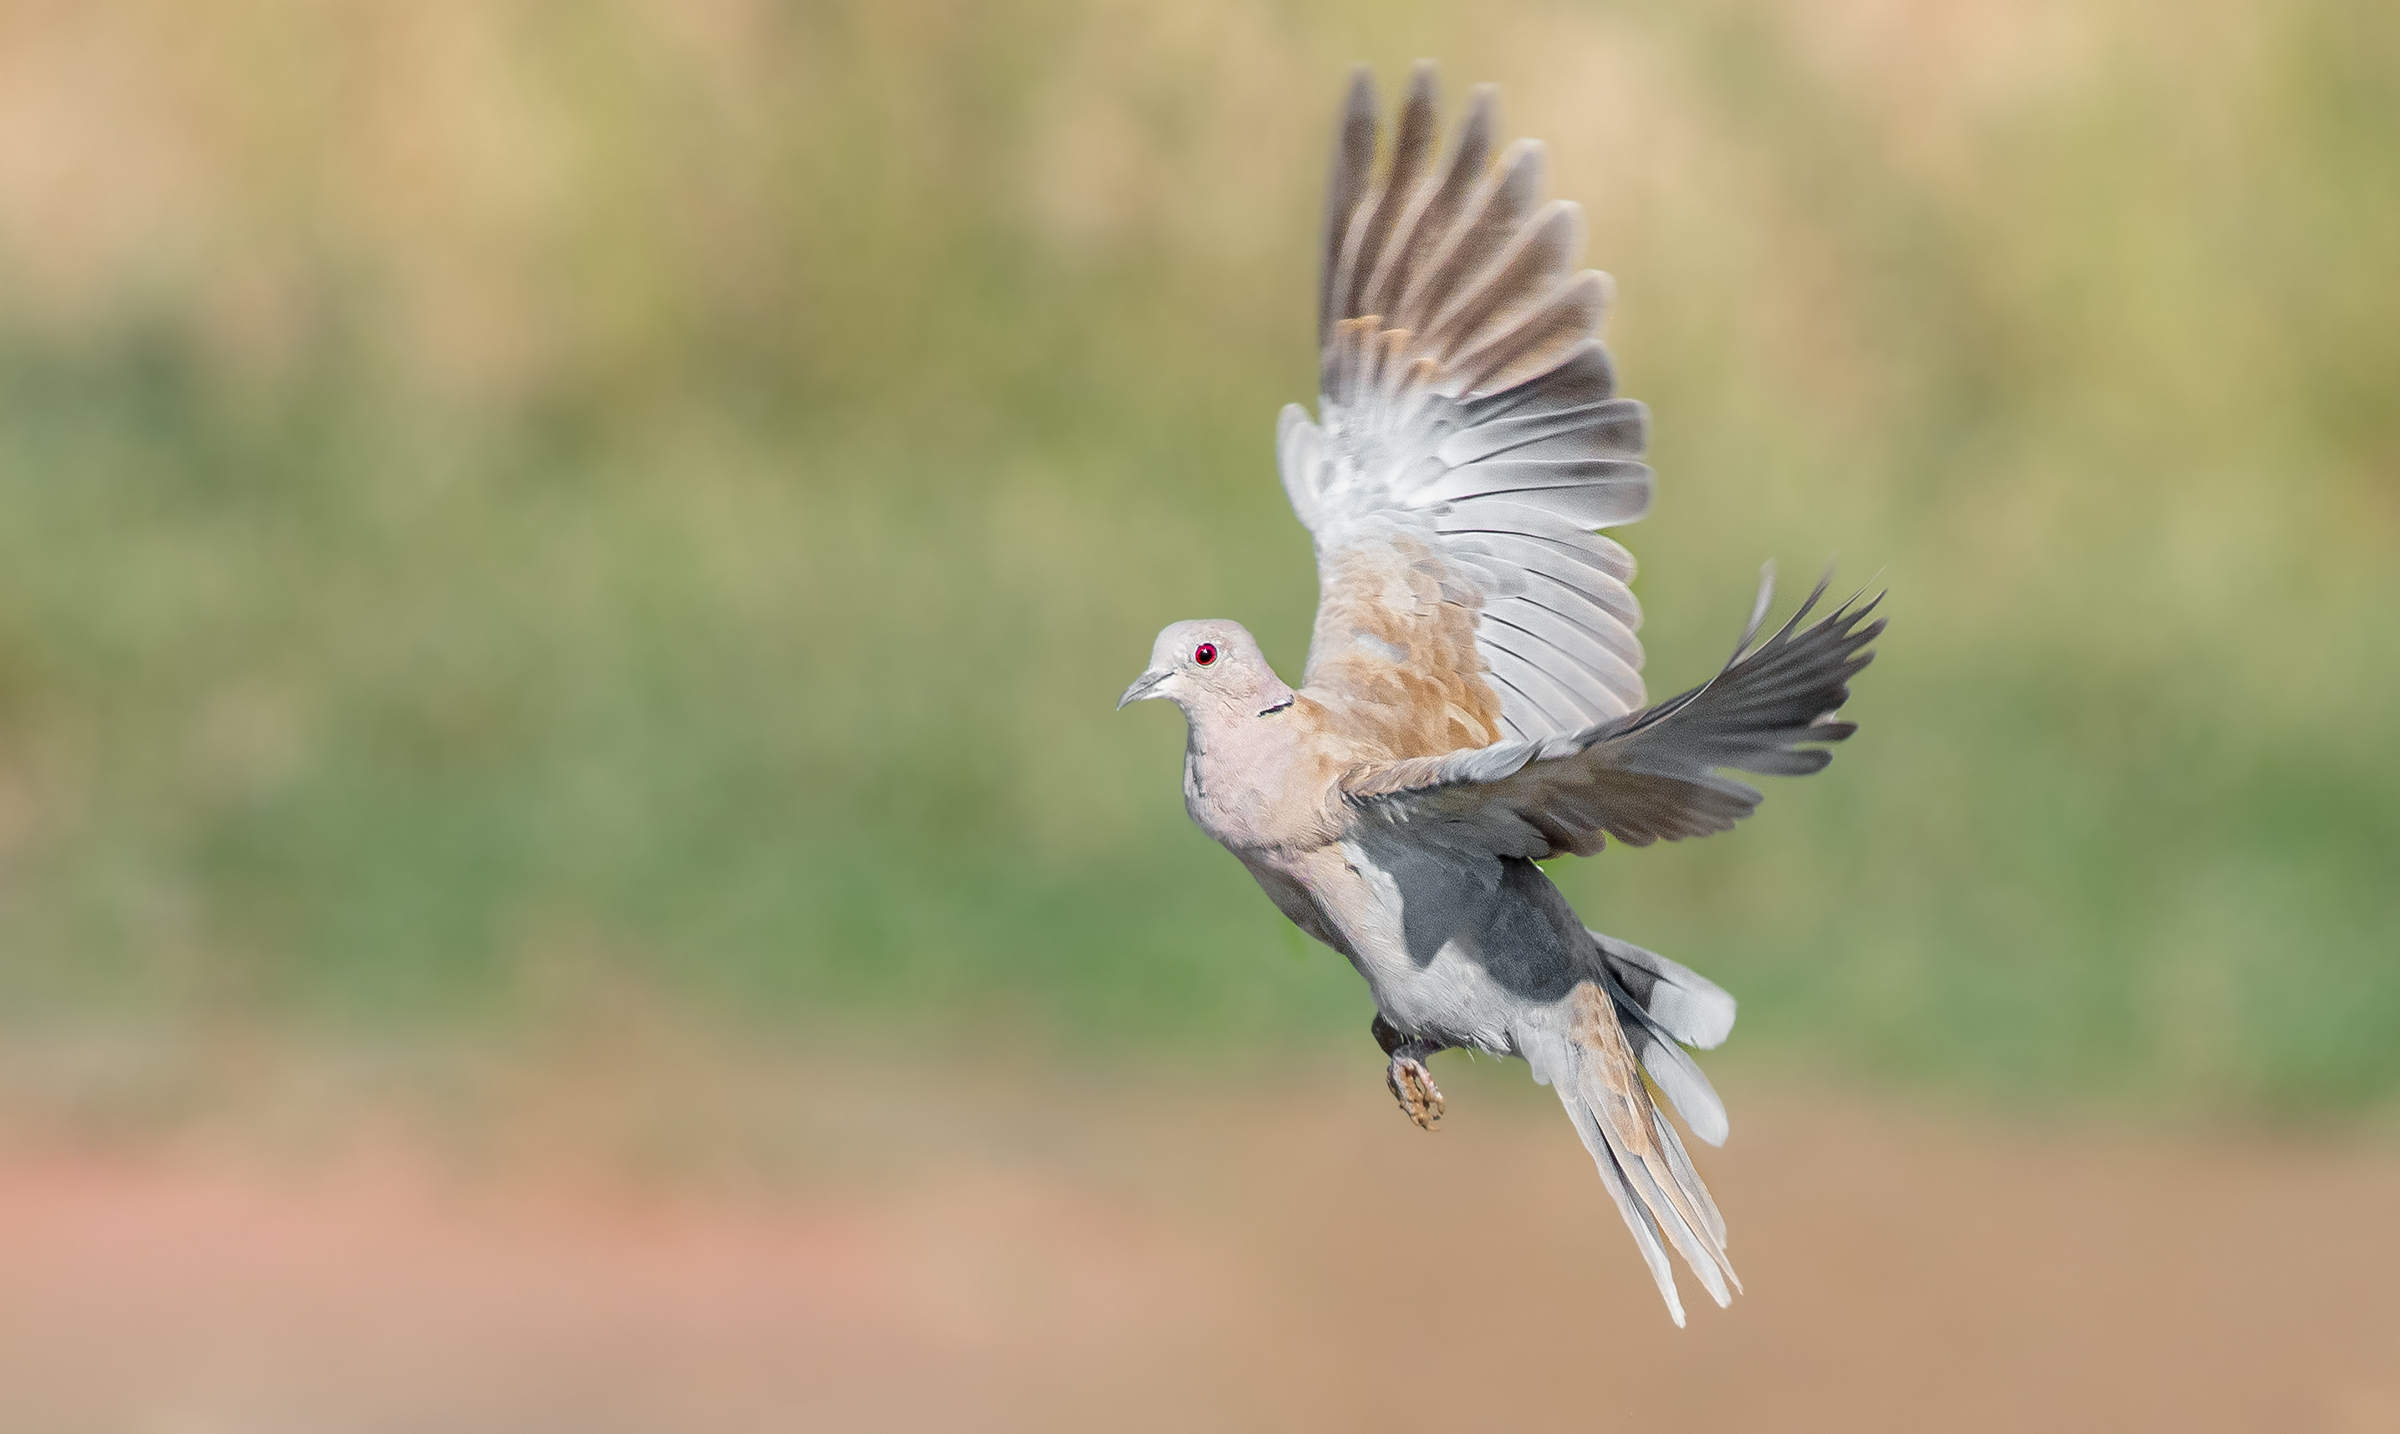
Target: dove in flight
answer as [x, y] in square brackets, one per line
[1473, 699]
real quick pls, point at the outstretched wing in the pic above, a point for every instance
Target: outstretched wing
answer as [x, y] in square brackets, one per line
[1650, 776]
[1467, 445]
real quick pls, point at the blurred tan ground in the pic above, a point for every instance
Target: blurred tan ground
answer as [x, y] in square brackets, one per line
[1003, 1251]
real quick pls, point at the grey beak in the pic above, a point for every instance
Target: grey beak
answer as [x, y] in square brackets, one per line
[1141, 687]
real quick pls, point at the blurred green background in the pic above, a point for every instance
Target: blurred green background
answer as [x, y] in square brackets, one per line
[500, 499]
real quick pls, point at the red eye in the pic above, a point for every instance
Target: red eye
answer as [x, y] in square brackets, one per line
[1205, 653]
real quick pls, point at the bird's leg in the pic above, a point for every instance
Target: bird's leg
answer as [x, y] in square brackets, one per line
[1412, 1085]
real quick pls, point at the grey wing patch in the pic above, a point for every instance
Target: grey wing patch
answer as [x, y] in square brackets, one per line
[1652, 776]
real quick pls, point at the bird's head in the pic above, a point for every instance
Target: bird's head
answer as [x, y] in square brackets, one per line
[1206, 665]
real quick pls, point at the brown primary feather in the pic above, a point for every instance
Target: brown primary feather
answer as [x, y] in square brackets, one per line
[1426, 220]
[1540, 337]
[1353, 160]
[1524, 267]
[1488, 216]
[1373, 220]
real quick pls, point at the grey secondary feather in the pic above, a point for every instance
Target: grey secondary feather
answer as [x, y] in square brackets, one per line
[1473, 700]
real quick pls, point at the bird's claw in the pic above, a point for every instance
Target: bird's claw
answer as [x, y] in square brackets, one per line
[1412, 1085]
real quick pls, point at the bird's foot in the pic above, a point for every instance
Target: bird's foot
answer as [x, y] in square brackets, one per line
[1412, 1085]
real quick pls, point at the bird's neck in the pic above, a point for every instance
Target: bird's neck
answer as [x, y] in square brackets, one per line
[1259, 775]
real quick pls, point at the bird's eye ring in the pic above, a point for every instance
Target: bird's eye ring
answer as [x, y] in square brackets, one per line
[1205, 653]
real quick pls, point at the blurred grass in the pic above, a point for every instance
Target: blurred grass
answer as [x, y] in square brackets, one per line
[500, 496]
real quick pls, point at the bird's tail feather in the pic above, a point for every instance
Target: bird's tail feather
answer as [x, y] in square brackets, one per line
[1667, 1006]
[1582, 1051]
[1685, 1004]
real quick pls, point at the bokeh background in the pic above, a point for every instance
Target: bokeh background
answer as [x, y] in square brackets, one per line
[563, 570]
